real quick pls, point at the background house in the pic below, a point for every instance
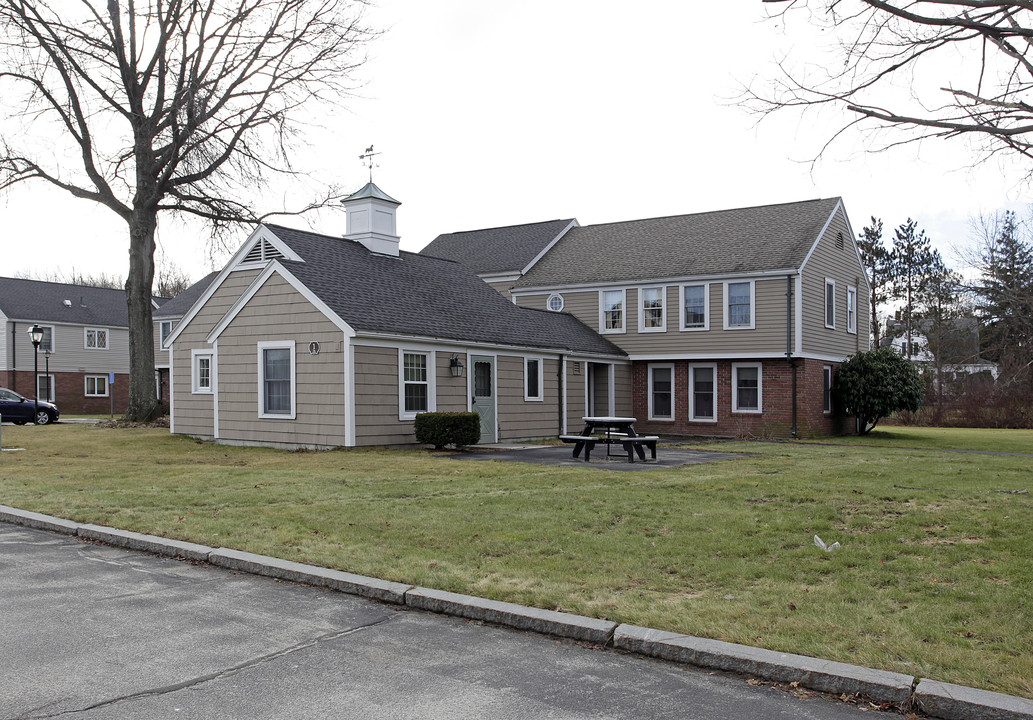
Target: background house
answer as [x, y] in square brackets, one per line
[734, 321]
[86, 332]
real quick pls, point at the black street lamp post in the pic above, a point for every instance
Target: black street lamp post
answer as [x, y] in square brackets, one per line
[36, 335]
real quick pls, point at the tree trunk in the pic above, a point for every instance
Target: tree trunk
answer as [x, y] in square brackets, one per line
[143, 401]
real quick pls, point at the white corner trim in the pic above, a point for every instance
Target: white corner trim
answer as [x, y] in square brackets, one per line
[349, 393]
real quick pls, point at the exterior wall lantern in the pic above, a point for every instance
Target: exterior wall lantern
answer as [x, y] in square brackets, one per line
[455, 366]
[36, 335]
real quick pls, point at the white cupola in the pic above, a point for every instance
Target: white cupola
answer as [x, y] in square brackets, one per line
[371, 219]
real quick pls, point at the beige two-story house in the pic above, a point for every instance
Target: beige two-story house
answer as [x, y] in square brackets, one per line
[734, 320]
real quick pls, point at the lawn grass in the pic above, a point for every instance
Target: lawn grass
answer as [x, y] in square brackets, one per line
[935, 582]
[972, 439]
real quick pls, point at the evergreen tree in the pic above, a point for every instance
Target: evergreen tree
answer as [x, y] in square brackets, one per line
[875, 256]
[1005, 292]
[912, 262]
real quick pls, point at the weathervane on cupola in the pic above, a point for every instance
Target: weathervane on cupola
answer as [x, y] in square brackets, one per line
[371, 214]
[367, 160]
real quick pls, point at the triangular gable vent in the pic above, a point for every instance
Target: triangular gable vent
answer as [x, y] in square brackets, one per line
[263, 251]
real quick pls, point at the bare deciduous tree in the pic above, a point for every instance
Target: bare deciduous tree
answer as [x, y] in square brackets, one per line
[166, 106]
[934, 68]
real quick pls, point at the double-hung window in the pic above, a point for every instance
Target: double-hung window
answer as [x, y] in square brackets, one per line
[165, 329]
[47, 343]
[45, 387]
[96, 386]
[703, 392]
[533, 379]
[415, 383]
[851, 310]
[95, 339]
[826, 382]
[201, 371]
[277, 380]
[695, 304]
[652, 309]
[739, 305]
[611, 311]
[661, 392]
[830, 303]
[747, 386]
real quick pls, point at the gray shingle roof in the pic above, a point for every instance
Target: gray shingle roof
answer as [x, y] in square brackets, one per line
[425, 296]
[177, 307]
[40, 301]
[495, 250]
[769, 237]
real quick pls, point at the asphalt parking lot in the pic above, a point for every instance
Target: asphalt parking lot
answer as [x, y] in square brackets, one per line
[92, 631]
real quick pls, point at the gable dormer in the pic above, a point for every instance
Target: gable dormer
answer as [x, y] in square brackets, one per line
[371, 220]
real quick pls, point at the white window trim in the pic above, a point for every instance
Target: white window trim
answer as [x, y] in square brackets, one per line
[692, 392]
[548, 302]
[753, 305]
[277, 345]
[760, 388]
[162, 336]
[706, 307]
[826, 377]
[674, 412]
[432, 391]
[602, 313]
[642, 310]
[50, 386]
[86, 381]
[86, 333]
[830, 283]
[195, 371]
[541, 380]
[851, 313]
[53, 344]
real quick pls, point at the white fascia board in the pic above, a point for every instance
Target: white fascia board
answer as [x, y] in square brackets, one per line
[259, 233]
[498, 277]
[857, 250]
[653, 282]
[821, 234]
[717, 357]
[393, 340]
[275, 268]
[262, 232]
[573, 224]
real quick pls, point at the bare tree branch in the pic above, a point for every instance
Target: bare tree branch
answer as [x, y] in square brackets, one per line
[152, 107]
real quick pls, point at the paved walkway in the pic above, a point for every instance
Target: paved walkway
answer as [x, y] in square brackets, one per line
[563, 455]
[97, 632]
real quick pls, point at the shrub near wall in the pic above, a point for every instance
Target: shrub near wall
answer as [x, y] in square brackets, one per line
[448, 428]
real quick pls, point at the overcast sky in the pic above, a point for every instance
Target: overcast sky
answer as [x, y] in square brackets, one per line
[489, 114]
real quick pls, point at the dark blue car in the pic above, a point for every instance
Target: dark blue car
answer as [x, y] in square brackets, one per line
[20, 410]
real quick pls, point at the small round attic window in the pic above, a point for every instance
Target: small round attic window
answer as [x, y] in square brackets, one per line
[555, 302]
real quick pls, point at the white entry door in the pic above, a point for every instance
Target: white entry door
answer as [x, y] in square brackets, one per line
[482, 393]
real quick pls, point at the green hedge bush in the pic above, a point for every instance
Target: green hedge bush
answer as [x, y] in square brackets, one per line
[448, 428]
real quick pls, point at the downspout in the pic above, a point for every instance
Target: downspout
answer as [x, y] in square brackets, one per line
[14, 356]
[789, 344]
[561, 401]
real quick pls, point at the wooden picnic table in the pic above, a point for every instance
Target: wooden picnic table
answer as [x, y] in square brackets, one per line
[614, 430]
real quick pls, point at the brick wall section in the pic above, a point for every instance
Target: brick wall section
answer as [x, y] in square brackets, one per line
[70, 392]
[776, 418]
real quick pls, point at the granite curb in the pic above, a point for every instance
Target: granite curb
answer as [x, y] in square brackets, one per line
[548, 622]
[936, 699]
